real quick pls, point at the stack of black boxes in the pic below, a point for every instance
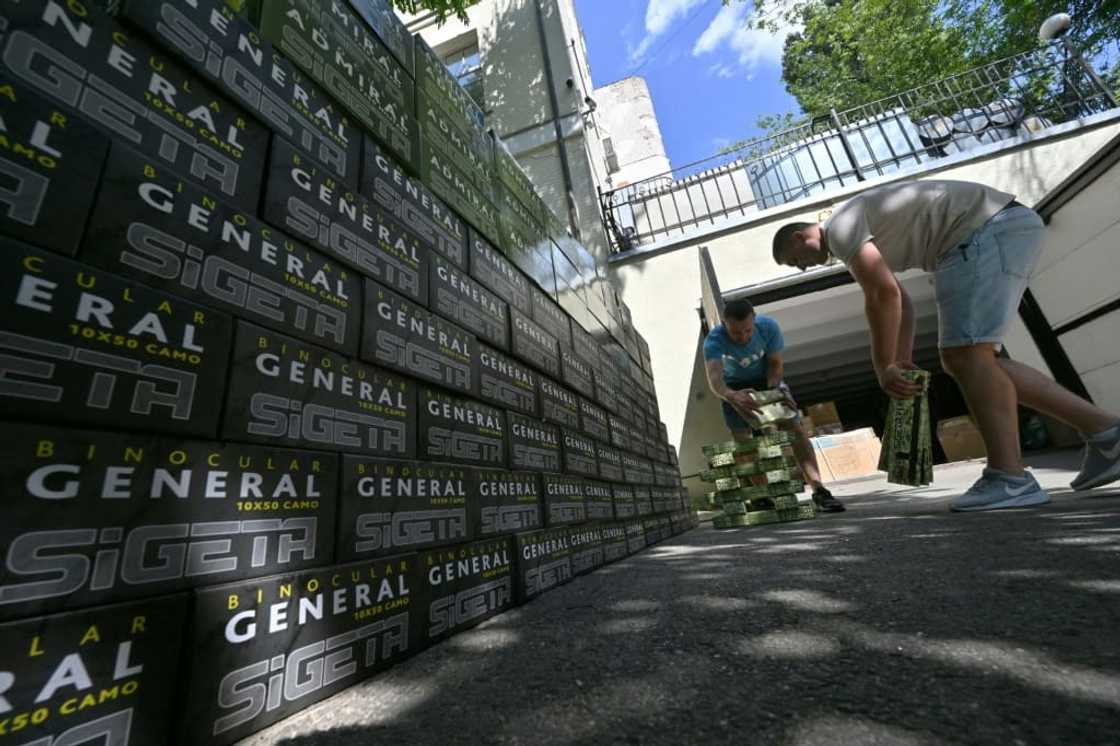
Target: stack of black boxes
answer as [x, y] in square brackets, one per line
[280, 409]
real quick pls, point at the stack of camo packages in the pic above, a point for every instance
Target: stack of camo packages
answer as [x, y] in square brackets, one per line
[907, 455]
[757, 481]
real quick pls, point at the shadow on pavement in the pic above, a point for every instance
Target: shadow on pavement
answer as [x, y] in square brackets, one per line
[902, 624]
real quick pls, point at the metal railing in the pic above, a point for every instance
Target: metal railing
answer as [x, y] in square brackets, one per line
[1022, 94]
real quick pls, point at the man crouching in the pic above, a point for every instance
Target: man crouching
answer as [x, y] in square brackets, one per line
[743, 354]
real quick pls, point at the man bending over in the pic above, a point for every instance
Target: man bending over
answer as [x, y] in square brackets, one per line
[981, 246]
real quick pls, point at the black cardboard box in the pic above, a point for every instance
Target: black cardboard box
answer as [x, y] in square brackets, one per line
[564, 499]
[460, 430]
[600, 500]
[219, 45]
[304, 199]
[263, 650]
[576, 373]
[389, 506]
[464, 585]
[624, 503]
[635, 536]
[388, 184]
[490, 267]
[558, 404]
[446, 179]
[506, 502]
[506, 382]
[80, 58]
[614, 541]
[49, 172]
[593, 421]
[455, 296]
[587, 548]
[469, 148]
[152, 226]
[105, 675]
[579, 454]
[336, 48]
[551, 317]
[94, 517]
[544, 562]
[287, 392]
[534, 444]
[86, 347]
[383, 21]
[406, 337]
[610, 463]
[531, 343]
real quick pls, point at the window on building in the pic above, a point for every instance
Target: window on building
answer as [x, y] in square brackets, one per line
[466, 65]
[612, 157]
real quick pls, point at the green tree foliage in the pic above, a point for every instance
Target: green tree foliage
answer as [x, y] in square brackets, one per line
[788, 124]
[849, 52]
[443, 9]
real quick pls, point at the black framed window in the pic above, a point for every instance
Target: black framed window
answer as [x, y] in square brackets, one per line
[466, 65]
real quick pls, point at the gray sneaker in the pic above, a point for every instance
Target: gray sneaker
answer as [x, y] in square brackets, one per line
[995, 490]
[1100, 463]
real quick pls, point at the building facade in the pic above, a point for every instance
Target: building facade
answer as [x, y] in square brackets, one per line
[526, 63]
[632, 136]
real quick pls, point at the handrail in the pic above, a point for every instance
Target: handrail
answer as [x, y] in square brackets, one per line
[1020, 94]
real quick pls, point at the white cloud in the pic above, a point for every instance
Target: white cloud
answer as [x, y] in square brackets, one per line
[721, 28]
[750, 46]
[722, 71]
[719, 143]
[660, 15]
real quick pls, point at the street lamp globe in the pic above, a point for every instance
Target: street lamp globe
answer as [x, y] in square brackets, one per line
[1054, 26]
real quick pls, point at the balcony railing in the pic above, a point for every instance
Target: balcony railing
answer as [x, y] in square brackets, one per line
[1022, 94]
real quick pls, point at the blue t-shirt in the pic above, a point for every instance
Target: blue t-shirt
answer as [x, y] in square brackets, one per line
[745, 365]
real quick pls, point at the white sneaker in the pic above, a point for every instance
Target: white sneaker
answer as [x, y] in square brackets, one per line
[995, 490]
[1100, 463]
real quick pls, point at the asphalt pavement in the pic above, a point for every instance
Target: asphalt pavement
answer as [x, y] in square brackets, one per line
[896, 622]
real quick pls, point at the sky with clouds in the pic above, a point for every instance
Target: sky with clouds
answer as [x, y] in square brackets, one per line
[710, 76]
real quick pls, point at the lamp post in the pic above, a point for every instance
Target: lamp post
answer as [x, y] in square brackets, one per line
[1055, 27]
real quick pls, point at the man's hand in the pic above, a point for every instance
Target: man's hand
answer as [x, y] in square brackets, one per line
[742, 401]
[788, 395]
[895, 385]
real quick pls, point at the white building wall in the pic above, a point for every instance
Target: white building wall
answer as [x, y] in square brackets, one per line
[625, 108]
[1079, 272]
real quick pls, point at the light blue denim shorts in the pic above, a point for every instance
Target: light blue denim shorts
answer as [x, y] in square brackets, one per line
[978, 284]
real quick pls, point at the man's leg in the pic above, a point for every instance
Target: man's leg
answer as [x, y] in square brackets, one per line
[978, 286]
[990, 394]
[810, 469]
[1045, 395]
[1100, 463]
[806, 456]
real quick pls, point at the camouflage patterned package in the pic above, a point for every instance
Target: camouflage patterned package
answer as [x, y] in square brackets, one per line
[771, 415]
[749, 445]
[907, 455]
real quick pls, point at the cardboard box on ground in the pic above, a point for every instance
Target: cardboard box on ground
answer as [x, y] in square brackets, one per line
[847, 455]
[823, 418]
[960, 439]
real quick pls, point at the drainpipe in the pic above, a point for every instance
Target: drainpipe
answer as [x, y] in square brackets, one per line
[565, 170]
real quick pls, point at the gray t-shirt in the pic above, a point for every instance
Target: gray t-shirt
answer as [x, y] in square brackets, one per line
[912, 223]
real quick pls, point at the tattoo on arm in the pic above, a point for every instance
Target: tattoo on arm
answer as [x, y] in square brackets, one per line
[714, 369]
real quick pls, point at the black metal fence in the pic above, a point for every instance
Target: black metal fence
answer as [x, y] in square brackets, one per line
[1018, 95]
